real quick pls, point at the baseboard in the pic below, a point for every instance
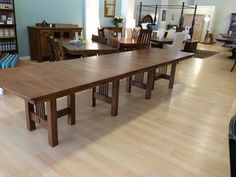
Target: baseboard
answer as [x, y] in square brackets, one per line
[25, 58]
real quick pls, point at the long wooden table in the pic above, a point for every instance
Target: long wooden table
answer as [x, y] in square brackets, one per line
[41, 84]
[129, 43]
[88, 48]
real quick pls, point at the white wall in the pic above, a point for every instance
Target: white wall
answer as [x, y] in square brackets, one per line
[224, 8]
[145, 11]
[176, 13]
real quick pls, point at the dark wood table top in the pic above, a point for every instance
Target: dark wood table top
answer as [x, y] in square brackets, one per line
[88, 47]
[226, 39]
[44, 81]
[162, 40]
[124, 40]
[228, 36]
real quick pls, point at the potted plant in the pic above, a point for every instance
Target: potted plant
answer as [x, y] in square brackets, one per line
[117, 21]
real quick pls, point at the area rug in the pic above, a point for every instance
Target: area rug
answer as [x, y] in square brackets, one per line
[204, 53]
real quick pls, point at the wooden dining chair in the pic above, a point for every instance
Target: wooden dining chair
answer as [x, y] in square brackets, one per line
[144, 39]
[135, 33]
[143, 42]
[50, 40]
[101, 32]
[58, 50]
[95, 38]
[99, 39]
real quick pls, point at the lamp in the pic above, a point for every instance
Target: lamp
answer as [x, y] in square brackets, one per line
[209, 36]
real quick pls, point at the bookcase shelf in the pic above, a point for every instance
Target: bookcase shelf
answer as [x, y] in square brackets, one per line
[7, 37]
[8, 33]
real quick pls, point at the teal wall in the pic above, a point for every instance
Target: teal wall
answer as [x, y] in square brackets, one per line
[107, 21]
[30, 12]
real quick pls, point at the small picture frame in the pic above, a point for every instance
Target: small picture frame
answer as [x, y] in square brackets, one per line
[163, 16]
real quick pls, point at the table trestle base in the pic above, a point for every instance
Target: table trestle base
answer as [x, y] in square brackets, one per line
[160, 73]
[103, 95]
[36, 113]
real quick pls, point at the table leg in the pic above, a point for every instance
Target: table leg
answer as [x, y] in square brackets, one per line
[71, 105]
[150, 82]
[115, 97]
[128, 84]
[92, 97]
[172, 75]
[29, 108]
[52, 122]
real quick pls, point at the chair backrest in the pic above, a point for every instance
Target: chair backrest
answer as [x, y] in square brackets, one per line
[58, 50]
[135, 33]
[161, 33]
[144, 39]
[109, 34]
[95, 38]
[171, 34]
[50, 40]
[99, 39]
[114, 43]
[101, 32]
[128, 32]
[178, 41]
[103, 40]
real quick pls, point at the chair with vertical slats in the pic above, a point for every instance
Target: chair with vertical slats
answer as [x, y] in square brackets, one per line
[135, 33]
[144, 39]
[50, 45]
[99, 39]
[58, 50]
[143, 42]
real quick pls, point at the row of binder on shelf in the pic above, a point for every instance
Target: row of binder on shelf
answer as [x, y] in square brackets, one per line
[6, 6]
[7, 45]
[6, 1]
[8, 60]
[7, 32]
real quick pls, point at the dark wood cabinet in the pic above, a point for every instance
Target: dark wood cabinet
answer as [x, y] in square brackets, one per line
[39, 49]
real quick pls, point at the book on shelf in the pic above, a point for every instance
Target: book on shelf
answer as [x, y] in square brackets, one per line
[8, 46]
[6, 4]
[6, 1]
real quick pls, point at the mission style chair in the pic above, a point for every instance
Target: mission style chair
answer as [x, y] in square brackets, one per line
[55, 49]
[144, 39]
[160, 73]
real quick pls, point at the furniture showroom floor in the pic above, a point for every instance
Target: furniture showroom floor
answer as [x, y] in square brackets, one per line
[178, 133]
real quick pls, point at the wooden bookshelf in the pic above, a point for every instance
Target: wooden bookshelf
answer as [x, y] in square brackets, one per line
[8, 33]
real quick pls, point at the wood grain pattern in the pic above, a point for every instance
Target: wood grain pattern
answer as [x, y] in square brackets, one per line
[180, 132]
[44, 81]
[88, 48]
[102, 79]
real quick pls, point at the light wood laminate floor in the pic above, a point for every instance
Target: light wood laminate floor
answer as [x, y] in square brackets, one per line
[178, 133]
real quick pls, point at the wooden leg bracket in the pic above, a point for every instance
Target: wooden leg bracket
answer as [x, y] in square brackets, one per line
[36, 114]
[102, 95]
